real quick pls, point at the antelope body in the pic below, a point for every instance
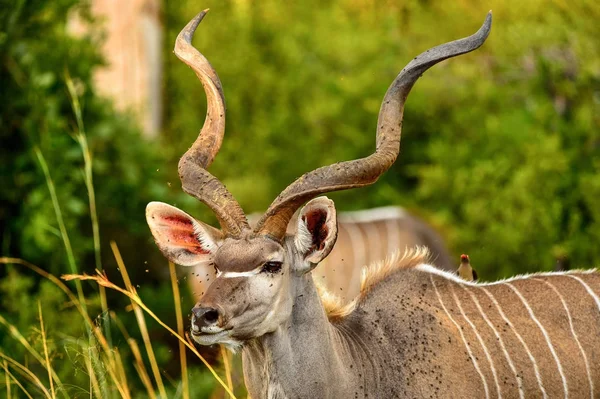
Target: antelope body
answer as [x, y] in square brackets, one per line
[364, 237]
[419, 332]
[414, 330]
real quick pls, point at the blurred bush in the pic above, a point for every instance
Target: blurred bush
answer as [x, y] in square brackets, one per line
[37, 54]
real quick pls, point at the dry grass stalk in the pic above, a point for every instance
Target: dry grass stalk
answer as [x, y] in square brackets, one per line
[16, 334]
[141, 368]
[139, 315]
[81, 139]
[101, 279]
[227, 365]
[97, 333]
[9, 376]
[6, 379]
[45, 344]
[121, 376]
[182, 354]
[94, 386]
[110, 362]
[25, 372]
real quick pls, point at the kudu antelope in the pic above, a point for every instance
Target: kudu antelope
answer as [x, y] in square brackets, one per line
[414, 330]
[363, 237]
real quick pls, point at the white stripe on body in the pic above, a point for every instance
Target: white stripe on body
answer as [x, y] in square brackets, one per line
[588, 289]
[452, 276]
[520, 338]
[546, 336]
[500, 340]
[473, 359]
[485, 350]
[585, 359]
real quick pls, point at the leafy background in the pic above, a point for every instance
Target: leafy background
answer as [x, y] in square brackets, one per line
[500, 150]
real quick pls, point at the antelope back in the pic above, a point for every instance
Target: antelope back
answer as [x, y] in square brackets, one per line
[529, 336]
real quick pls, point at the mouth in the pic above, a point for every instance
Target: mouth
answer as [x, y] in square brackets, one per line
[209, 337]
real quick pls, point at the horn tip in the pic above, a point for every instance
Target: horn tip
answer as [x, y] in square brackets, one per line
[187, 33]
[485, 29]
[488, 18]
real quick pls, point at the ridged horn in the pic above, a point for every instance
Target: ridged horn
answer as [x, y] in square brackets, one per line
[365, 171]
[195, 179]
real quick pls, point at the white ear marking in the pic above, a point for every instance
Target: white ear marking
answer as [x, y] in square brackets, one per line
[303, 239]
[206, 241]
[317, 231]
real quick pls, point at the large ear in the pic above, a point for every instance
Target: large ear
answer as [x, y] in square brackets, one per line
[181, 238]
[317, 229]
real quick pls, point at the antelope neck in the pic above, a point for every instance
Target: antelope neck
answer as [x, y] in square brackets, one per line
[306, 357]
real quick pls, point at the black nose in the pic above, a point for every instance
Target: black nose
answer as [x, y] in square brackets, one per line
[204, 317]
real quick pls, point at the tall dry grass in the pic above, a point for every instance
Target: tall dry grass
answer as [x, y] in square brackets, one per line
[104, 363]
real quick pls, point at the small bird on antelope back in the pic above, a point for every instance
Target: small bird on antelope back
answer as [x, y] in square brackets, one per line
[465, 270]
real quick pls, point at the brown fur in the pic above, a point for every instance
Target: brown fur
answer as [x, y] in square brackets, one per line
[371, 275]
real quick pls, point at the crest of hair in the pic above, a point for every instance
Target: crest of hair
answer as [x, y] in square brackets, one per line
[371, 275]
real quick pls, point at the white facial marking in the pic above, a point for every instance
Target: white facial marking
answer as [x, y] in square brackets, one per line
[585, 360]
[249, 273]
[471, 356]
[545, 333]
[274, 257]
[485, 350]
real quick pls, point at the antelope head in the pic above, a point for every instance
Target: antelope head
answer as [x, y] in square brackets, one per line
[258, 269]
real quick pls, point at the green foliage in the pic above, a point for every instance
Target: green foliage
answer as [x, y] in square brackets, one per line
[515, 163]
[67, 344]
[37, 54]
[500, 147]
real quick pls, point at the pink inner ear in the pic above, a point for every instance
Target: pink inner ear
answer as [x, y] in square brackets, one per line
[179, 232]
[315, 222]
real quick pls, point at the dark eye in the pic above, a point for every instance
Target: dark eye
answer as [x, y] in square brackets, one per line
[271, 267]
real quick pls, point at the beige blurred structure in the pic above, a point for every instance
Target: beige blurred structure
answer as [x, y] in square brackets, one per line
[132, 49]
